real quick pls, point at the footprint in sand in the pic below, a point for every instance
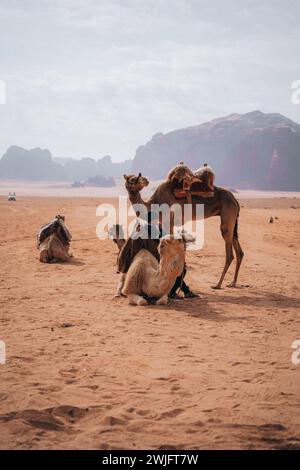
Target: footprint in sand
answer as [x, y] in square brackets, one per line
[51, 419]
[171, 414]
[35, 418]
[272, 427]
[198, 423]
[69, 413]
[170, 447]
[68, 373]
[143, 412]
[113, 421]
[91, 387]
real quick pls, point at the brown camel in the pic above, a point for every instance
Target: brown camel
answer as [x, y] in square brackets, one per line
[222, 204]
[53, 241]
[53, 250]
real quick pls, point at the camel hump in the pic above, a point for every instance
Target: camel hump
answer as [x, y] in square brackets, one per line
[180, 172]
[206, 174]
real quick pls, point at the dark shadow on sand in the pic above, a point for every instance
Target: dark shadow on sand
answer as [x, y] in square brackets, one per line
[72, 262]
[199, 308]
[206, 307]
[260, 298]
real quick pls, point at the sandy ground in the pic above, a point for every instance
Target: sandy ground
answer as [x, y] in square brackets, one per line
[86, 371]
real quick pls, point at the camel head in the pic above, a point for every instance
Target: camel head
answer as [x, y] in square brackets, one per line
[171, 246]
[135, 183]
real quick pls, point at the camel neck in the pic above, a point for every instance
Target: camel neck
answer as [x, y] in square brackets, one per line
[136, 198]
[120, 243]
[170, 265]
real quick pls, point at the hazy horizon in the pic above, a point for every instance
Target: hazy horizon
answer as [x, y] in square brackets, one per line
[87, 78]
[102, 156]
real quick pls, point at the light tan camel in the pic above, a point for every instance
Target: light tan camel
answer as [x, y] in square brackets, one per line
[222, 204]
[155, 279]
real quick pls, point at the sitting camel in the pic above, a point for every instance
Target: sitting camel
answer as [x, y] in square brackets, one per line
[53, 241]
[130, 247]
[152, 278]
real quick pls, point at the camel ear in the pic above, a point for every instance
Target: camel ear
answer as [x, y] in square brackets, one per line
[125, 177]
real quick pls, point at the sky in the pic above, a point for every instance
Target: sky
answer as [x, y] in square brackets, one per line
[101, 77]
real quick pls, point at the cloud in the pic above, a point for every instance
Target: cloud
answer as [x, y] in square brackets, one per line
[89, 77]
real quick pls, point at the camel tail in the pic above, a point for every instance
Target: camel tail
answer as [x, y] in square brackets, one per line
[236, 225]
[235, 231]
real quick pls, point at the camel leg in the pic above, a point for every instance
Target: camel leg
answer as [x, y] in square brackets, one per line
[163, 300]
[227, 234]
[44, 248]
[44, 256]
[239, 257]
[120, 286]
[134, 299]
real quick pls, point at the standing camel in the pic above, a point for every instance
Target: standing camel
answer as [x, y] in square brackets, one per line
[222, 204]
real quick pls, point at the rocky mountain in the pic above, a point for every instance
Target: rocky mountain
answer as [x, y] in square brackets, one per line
[100, 181]
[88, 167]
[252, 150]
[38, 164]
[34, 164]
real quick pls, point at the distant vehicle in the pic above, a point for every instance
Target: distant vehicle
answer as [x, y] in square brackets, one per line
[12, 197]
[78, 184]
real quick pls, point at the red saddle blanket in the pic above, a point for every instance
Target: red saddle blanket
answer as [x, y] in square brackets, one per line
[199, 188]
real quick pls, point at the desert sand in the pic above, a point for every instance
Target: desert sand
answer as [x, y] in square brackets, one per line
[84, 370]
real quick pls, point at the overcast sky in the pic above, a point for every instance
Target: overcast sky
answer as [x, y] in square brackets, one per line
[97, 77]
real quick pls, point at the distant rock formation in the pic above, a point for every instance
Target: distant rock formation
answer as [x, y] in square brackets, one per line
[35, 164]
[88, 167]
[78, 184]
[253, 150]
[38, 164]
[100, 181]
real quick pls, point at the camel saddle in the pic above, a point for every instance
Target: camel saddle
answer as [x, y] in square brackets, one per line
[188, 188]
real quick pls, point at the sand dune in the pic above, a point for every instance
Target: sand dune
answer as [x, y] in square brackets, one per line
[86, 371]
